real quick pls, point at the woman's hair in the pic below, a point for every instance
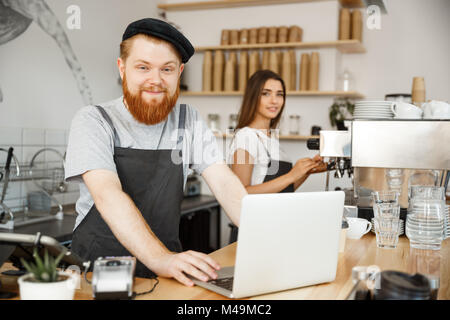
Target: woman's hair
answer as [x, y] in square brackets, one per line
[252, 98]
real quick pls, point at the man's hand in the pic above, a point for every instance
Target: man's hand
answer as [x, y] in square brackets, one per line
[192, 263]
[130, 228]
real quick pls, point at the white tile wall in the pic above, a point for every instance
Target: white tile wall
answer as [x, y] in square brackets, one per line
[33, 137]
[27, 142]
[11, 136]
[66, 137]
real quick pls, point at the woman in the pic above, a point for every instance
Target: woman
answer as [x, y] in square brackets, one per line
[255, 152]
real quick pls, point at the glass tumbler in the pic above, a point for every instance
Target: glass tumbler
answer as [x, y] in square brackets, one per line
[385, 197]
[213, 122]
[386, 232]
[386, 210]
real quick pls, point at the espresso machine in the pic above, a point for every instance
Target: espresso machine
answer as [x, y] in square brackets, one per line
[382, 155]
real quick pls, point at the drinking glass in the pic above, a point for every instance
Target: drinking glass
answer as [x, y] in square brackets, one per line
[394, 179]
[385, 197]
[387, 231]
[386, 210]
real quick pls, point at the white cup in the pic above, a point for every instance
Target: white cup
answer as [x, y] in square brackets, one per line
[403, 110]
[436, 110]
[357, 227]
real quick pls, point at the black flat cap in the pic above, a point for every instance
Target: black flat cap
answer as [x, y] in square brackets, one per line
[162, 30]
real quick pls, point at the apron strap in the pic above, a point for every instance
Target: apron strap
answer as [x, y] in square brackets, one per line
[181, 126]
[264, 146]
[108, 119]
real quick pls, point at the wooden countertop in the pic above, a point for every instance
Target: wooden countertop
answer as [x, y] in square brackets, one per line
[361, 252]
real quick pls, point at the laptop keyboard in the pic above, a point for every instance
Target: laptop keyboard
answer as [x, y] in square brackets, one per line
[226, 283]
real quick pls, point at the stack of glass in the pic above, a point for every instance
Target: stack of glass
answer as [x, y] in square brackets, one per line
[394, 179]
[386, 210]
[426, 217]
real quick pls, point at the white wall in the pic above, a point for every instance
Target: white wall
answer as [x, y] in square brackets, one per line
[38, 87]
[413, 41]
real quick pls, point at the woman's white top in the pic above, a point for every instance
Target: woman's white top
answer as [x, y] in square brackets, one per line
[261, 147]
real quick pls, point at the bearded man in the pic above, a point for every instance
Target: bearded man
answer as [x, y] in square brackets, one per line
[131, 158]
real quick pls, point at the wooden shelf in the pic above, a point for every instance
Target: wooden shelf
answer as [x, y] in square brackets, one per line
[351, 3]
[344, 94]
[220, 4]
[298, 137]
[282, 137]
[344, 46]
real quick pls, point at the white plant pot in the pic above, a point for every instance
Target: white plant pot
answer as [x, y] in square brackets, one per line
[60, 290]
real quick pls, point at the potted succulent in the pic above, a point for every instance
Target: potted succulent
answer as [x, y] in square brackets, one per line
[341, 110]
[44, 281]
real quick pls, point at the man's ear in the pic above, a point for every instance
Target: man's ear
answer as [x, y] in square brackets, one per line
[121, 66]
[181, 68]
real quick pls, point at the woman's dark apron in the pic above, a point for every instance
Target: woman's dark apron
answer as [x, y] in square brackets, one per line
[155, 184]
[283, 168]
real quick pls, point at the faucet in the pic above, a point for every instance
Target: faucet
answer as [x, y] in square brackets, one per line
[5, 184]
[61, 187]
[15, 161]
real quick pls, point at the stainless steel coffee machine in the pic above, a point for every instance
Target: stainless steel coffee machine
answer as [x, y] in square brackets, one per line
[385, 155]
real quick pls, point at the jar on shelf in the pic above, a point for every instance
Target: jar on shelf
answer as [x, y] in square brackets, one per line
[233, 121]
[214, 122]
[346, 81]
[294, 124]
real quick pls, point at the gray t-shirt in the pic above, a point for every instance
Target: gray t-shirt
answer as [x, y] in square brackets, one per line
[91, 143]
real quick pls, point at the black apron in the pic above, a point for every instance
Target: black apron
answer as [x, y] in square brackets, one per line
[155, 184]
[283, 168]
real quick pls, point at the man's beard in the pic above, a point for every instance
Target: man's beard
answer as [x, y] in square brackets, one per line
[152, 112]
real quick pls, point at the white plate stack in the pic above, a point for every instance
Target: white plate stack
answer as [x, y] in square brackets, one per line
[447, 222]
[373, 110]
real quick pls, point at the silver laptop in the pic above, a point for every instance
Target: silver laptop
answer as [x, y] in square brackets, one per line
[285, 241]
